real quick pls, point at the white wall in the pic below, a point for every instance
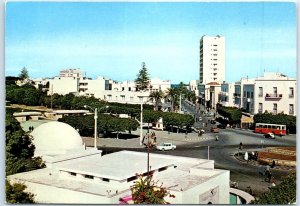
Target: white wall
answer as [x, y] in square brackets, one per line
[221, 181]
[213, 59]
[282, 88]
[63, 85]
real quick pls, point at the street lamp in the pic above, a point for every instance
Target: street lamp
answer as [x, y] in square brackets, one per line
[95, 126]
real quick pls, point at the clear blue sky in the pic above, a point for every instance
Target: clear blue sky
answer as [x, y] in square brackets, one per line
[113, 39]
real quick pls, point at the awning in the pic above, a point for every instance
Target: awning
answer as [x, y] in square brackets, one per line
[246, 119]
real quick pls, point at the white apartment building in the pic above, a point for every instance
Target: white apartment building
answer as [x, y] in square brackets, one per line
[73, 81]
[212, 59]
[194, 87]
[274, 93]
[226, 96]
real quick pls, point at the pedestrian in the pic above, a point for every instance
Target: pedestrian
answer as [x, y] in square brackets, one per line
[273, 164]
[273, 181]
[241, 146]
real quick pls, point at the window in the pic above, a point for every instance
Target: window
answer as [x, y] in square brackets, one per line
[291, 109]
[123, 88]
[275, 91]
[72, 173]
[260, 91]
[123, 97]
[141, 99]
[105, 179]
[251, 95]
[89, 176]
[109, 97]
[248, 94]
[260, 108]
[245, 94]
[291, 93]
[275, 108]
[129, 88]
[131, 99]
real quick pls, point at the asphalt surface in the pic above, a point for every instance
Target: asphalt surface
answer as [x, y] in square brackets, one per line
[222, 151]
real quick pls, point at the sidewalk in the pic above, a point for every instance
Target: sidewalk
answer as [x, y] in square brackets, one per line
[162, 136]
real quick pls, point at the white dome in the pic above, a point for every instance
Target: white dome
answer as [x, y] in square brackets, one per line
[55, 138]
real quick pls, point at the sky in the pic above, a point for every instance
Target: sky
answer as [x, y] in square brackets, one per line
[112, 39]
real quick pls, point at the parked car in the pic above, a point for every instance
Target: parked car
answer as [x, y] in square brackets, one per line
[166, 146]
[215, 129]
[222, 126]
[213, 121]
[269, 135]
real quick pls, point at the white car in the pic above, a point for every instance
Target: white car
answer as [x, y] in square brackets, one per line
[166, 146]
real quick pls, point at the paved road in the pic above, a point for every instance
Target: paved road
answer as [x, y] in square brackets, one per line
[220, 151]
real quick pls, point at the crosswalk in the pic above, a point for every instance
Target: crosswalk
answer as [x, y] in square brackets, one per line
[189, 139]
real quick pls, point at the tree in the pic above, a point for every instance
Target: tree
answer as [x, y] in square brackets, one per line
[24, 74]
[172, 95]
[146, 191]
[156, 96]
[15, 193]
[19, 148]
[282, 194]
[142, 80]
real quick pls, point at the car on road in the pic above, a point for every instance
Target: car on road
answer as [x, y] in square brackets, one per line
[214, 130]
[166, 146]
[213, 121]
[269, 135]
[222, 126]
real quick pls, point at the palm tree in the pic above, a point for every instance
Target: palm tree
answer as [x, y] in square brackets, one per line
[172, 96]
[156, 96]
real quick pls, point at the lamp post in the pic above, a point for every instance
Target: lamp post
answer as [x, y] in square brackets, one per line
[95, 125]
[141, 125]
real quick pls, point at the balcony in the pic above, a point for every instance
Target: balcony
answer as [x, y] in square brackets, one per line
[275, 111]
[273, 96]
[236, 95]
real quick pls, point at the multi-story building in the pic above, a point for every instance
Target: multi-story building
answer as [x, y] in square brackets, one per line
[73, 81]
[274, 93]
[212, 59]
[226, 96]
[71, 73]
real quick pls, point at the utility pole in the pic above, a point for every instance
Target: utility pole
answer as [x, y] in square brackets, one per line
[141, 125]
[95, 135]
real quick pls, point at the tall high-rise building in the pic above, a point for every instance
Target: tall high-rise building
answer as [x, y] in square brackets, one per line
[212, 59]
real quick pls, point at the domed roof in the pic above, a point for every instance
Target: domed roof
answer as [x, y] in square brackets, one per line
[55, 138]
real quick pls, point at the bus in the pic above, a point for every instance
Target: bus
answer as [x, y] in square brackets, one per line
[277, 129]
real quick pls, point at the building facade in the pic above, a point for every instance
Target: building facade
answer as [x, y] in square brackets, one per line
[273, 93]
[212, 59]
[74, 81]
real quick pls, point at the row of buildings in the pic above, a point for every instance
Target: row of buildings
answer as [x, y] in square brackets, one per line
[273, 92]
[75, 81]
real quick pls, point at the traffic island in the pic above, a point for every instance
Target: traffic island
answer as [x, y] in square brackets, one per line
[283, 158]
